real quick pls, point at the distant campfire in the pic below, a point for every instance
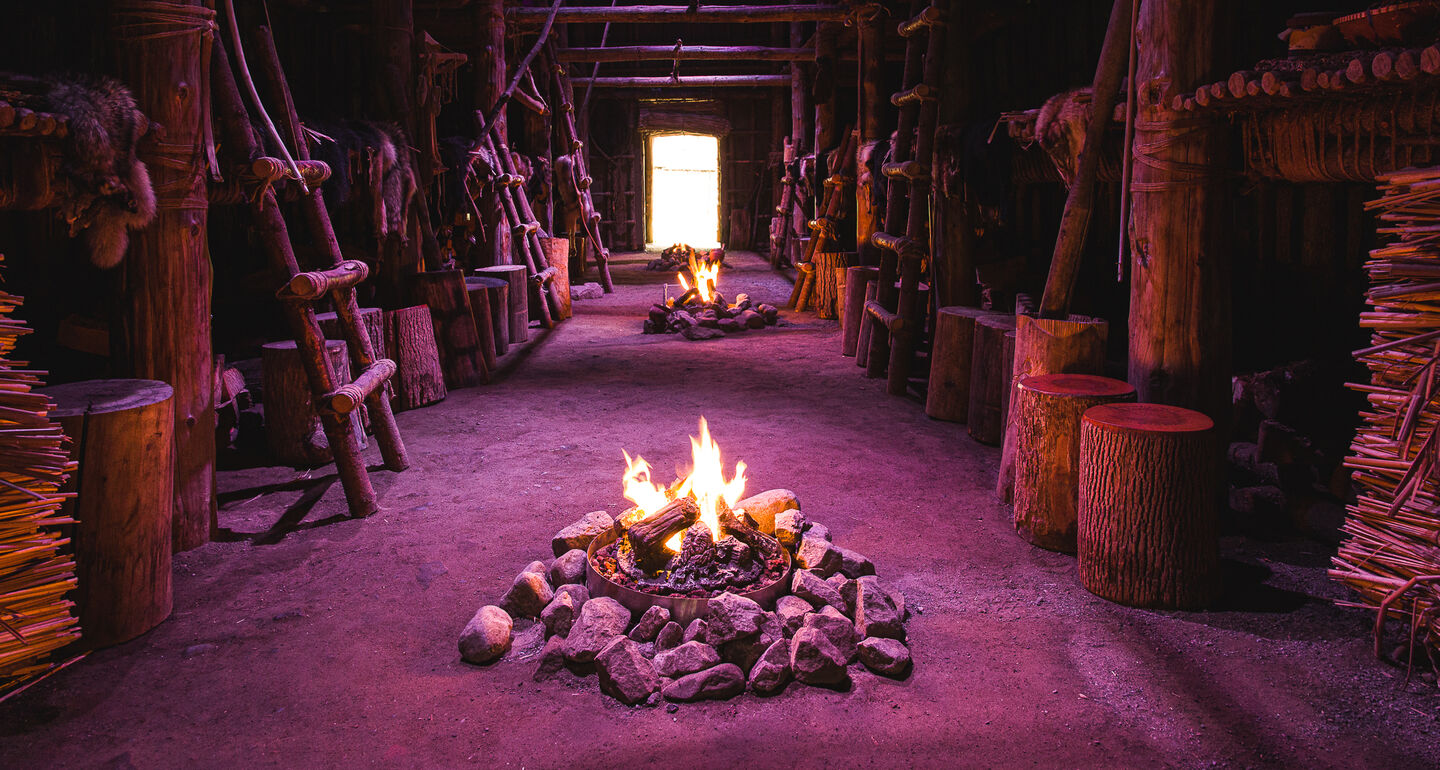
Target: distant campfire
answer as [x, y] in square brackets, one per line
[701, 311]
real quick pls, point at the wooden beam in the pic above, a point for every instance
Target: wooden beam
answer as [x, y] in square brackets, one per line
[628, 53]
[691, 81]
[669, 14]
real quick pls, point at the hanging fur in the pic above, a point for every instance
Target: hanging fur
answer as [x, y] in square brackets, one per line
[1060, 129]
[108, 191]
[373, 156]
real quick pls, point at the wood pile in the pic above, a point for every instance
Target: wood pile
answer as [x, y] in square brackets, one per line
[1389, 556]
[36, 573]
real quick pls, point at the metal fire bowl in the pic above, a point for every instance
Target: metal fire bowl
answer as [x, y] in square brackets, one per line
[683, 609]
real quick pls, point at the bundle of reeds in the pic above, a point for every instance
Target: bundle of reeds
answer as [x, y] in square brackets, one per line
[1391, 556]
[36, 573]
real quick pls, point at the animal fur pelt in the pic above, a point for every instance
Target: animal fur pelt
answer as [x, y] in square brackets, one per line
[108, 191]
[375, 157]
[1060, 129]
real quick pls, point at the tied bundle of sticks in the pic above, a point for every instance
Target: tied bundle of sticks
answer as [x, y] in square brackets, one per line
[1391, 556]
[36, 620]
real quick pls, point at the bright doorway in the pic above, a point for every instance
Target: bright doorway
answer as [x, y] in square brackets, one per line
[684, 190]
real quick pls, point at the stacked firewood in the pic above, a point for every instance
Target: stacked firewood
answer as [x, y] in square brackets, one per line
[1390, 556]
[36, 573]
[696, 319]
[681, 255]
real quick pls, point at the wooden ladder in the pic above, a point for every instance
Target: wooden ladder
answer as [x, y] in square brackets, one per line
[896, 317]
[334, 401]
[822, 228]
[589, 217]
[523, 225]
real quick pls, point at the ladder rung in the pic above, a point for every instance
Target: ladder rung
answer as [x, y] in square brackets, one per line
[351, 395]
[584, 183]
[313, 285]
[910, 170]
[839, 180]
[526, 228]
[544, 276]
[510, 180]
[891, 321]
[920, 93]
[927, 18]
[904, 246]
[275, 169]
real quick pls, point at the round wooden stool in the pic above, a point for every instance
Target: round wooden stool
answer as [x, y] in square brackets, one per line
[1047, 411]
[557, 255]
[948, 397]
[443, 291]
[479, 290]
[991, 355]
[1148, 519]
[292, 426]
[827, 289]
[858, 279]
[418, 378]
[518, 298]
[122, 434]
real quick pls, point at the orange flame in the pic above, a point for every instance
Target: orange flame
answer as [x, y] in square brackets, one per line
[706, 483]
[707, 275]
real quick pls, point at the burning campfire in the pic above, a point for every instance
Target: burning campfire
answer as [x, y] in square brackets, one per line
[701, 312]
[689, 595]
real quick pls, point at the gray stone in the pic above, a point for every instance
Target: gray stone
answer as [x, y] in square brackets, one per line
[832, 612]
[838, 630]
[568, 568]
[669, 637]
[552, 659]
[788, 526]
[815, 529]
[650, 624]
[814, 660]
[838, 582]
[625, 674]
[730, 325]
[887, 657]
[526, 639]
[700, 333]
[590, 290]
[577, 536]
[537, 566]
[876, 613]
[751, 319]
[695, 631]
[601, 619]
[746, 650]
[578, 592]
[528, 595]
[808, 586]
[729, 617]
[762, 508]
[723, 681]
[791, 610]
[853, 564]
[559, 615]
[818, 556]
[770, 313]
[686, 659]
[487, 635]
[772, 670]
[682, 319]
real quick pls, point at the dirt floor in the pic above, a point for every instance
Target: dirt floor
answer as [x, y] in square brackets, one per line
[302, 638]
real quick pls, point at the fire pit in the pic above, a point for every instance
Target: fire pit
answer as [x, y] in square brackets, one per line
[701, 311]
[697, 592]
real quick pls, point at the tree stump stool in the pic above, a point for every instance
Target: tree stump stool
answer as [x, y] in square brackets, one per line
[479, 290]
[418, 378]
[1148, 520]
[990, 363]
[827, 290]
[122, 435]
[1074, 345]
[293, 431]
[1047, 410]
[557, 255]
[858, 280]
[443, 291]
[519, 314]
[948, 397]
[862, 340]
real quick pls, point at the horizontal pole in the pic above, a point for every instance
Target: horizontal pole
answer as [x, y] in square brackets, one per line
[626, 53]
[669, 14]
[691, 81]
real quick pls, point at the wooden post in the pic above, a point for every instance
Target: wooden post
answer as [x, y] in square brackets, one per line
[557, 256]
[1047, 410]
[163, 51]
[827, 299]
[874, 109]
[948, 397]
[862, 338]
[1179, 233]
[1149, 528]
[121, 434]
[826, 62]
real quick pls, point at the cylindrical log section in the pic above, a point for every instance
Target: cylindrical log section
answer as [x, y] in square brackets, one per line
[479, 290]
[862, 339]
[498, 292]
[443, 291]
[122, 437]
[519, 315]
[419, 380]
[557, 256]
[1148, 521]
[858, 280]
[1074, 345]
[374, 322]
[292, 426]
[827, 291]
[1047, 410]
[990, 364]
[948, 396]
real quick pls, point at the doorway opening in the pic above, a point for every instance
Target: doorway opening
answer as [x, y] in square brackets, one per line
[684, 190]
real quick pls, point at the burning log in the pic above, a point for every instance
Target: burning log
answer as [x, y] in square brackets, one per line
[647, 538]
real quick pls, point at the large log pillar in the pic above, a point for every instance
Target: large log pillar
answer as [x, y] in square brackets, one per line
[827, 135]
[874, 105]
[162, 51]
[490, 59]
[1180, 263]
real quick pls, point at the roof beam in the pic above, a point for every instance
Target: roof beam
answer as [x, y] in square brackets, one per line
[629, 53]
[670, 14]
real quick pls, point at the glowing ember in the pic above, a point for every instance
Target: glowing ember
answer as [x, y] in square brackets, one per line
[705, 483]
